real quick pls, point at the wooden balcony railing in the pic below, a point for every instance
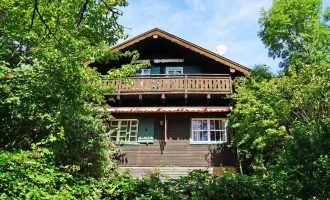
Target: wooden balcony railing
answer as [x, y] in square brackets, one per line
[187, 84]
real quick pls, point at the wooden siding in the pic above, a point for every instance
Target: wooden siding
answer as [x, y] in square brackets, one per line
[188, 84]
[177, 151]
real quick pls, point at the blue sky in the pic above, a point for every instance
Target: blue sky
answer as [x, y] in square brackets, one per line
[206, 23]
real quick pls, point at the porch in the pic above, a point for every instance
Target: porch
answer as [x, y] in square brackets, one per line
[172, 143]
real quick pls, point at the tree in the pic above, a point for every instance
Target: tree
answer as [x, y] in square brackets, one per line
[293, 30]
[282, 122]
[47, 92]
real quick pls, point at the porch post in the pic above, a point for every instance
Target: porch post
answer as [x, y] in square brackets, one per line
[165, 131]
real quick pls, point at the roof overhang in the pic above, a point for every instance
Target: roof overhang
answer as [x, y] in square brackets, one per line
[174, 109]
[158, 32]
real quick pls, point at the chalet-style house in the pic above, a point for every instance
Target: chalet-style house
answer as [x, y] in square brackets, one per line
[174, 116]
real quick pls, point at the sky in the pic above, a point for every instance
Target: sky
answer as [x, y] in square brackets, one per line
[206, 23]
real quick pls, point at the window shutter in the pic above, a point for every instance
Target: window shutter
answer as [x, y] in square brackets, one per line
[146, 131]
[155, 70]
[191, 70]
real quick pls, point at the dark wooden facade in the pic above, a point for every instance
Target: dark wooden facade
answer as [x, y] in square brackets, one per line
[205, 80]
[177, 151]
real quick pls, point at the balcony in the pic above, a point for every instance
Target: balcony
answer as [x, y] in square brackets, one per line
[173, 84]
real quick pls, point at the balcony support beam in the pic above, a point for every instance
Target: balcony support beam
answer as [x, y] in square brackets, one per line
[208, 98]
[118, 98]
[186, 98]
[141, 98]
[163, 99]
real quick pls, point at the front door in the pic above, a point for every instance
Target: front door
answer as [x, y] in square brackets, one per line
[146, 131]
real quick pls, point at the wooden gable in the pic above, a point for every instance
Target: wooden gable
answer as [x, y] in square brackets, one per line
[156, 34]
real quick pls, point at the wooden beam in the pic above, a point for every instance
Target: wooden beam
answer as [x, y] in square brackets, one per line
[164, 99]
[208, 98]
[118, 98]
[232, 70]
[140, 98]
[186, 98]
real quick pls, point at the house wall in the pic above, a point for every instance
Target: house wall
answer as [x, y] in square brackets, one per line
[177, 151]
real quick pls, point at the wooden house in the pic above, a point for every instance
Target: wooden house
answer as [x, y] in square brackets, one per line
[174, 115]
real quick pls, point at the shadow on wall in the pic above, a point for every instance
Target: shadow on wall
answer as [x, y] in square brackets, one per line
[219, 155]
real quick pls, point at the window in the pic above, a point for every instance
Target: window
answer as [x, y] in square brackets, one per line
[205, 130]
[124, 130]
[174, 70]
[145, 71]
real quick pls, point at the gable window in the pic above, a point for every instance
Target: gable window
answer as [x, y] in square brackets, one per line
[208, 130]
[174, 70]
[124, 130]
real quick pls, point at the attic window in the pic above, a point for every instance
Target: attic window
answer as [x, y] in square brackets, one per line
[174, 70]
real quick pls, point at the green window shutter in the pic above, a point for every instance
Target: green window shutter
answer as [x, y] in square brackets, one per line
[155, 70]
[191, 70]
[146, 131]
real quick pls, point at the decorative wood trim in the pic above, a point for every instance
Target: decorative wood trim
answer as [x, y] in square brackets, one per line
[183, 43]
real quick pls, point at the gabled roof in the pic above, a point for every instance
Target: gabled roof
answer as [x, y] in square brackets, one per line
[182, 42]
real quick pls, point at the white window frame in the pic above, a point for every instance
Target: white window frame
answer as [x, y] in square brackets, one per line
[208, 130]
[174, 69]
[128, 132]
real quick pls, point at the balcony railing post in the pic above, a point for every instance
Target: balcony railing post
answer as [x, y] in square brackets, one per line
[230, 85]
[185, 84]
[119, 87]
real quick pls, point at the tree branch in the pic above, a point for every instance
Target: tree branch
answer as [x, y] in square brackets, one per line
[83, 9]
[113, 12]
[34, 12]
[50, 31]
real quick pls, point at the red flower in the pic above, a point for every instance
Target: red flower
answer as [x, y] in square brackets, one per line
[106, 124]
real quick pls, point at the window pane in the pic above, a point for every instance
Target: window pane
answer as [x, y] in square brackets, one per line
[212, 124]
[132, 134]
[195, 136]
[203, 136]
[178, 72]
[223, 136]
[217, 124]
[223, 125]
[133, 128]
[212, 135]
[204, 124]
[170, 72]
[197, 124]
[134, 122]
[124, 123]
[113, 134]
[132, 139]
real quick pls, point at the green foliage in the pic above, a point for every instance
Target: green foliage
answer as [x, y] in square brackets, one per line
[296, 31]
[282, 126]
[49, 98]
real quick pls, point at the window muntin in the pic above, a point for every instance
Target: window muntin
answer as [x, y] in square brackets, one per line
[208, 130]
[124, 130]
